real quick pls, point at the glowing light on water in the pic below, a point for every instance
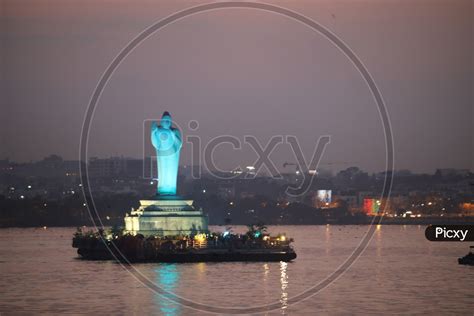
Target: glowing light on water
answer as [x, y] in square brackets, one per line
[284, 285]
[266, 269]
[168, 279]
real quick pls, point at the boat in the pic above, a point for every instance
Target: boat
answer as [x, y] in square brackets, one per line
[467, 259]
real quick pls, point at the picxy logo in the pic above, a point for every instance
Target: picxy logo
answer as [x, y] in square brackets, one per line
[450, 232]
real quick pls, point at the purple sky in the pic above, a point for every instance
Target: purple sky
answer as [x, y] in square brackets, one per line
[239, 72]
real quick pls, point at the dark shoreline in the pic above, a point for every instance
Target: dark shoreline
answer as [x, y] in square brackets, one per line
[384, 221]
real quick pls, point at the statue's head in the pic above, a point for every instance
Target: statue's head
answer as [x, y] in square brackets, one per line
[166, 120]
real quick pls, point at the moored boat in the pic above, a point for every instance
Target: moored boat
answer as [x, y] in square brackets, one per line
[467, 259]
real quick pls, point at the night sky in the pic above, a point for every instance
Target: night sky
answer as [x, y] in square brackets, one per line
[242, 72]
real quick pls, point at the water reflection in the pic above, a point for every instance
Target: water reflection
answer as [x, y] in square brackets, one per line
[201, 271]
[168, 279]
[378, 251]
[328, 239]
[266, 271]
[378, 240]
[284, 285]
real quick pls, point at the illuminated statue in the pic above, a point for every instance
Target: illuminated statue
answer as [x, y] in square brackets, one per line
[167, 141]
[168, 214]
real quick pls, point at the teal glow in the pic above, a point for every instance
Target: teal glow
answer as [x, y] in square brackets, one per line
[257, 234]
[168, 279]
[167, 141]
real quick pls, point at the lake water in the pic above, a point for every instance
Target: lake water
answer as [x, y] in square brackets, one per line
[399, 272]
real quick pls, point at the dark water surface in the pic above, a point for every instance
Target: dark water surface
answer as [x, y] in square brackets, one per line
[400, 272]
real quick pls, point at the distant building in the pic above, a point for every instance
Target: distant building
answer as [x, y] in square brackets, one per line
[107, 167]
[350, 200]
[321, 198]
[450, 172]
[226, 192]
[363, 195]
[71, 167]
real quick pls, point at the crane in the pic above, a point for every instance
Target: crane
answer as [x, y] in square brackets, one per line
[286, 164]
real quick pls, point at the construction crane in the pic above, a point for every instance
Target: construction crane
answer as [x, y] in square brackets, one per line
[286, 164]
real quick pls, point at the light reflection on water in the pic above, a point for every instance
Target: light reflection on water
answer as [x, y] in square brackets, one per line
[284, 285]
[167, 279]
[39, 273]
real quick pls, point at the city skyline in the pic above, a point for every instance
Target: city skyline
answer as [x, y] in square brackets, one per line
[285, 168]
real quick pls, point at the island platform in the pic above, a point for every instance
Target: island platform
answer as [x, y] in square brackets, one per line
[199, 248]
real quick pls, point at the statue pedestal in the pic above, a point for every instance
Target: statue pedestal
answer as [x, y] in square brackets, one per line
[167, 216]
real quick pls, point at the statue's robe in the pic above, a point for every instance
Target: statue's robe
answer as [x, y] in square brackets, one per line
[167, 143]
